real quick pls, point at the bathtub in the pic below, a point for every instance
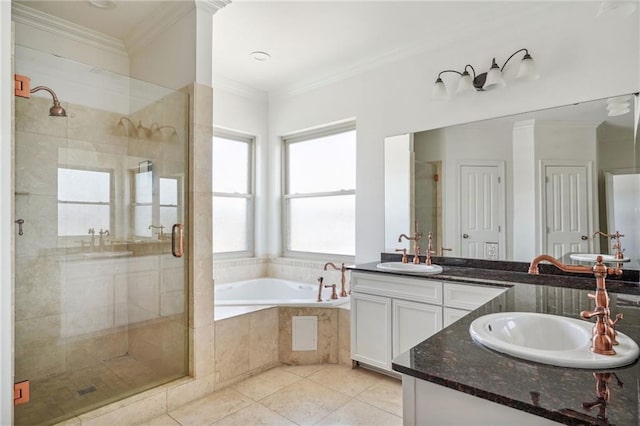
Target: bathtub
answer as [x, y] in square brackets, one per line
[273, 291]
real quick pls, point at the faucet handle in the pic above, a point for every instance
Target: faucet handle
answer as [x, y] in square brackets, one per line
[404, 255]
[334, 295]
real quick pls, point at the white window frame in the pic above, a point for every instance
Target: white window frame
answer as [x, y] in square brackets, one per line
[250, 196]
[286, 196]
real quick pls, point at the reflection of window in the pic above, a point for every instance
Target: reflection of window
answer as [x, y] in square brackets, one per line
[84, 201]
[143, 204]
[169, 205]
[233, 211]
[159, 208]
[319, 192]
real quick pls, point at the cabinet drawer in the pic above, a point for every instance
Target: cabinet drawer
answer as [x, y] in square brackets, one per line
[469, 296]
[418, 290]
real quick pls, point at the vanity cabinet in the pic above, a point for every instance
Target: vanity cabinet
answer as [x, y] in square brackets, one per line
[391, 314]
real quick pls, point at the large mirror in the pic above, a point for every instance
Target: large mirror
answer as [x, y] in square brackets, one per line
[513, 187]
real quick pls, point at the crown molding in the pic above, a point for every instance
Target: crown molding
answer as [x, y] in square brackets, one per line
[211, 6]
[352, 71]
[236, 88]
[155, 24]
[60, 27]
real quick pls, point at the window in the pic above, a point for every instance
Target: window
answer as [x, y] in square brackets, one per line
[84, 201]
[319, 191]
[155, 211]
[233, 199]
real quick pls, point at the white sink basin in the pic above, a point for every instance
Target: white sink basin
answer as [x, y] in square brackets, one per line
[549, 339]
[591, 257]
[410, 267]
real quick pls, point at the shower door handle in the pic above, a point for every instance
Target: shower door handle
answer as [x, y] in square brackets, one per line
[177, 240]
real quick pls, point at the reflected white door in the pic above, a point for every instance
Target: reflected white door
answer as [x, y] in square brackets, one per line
[566, 209]
[481, 203]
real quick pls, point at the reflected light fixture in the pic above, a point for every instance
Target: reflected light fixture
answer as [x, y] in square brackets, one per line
[618, 105]
[156, 132]
[492, 79]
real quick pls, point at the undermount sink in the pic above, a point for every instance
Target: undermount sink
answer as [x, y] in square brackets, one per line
[591, 257]
[549, 339]
[410, 267]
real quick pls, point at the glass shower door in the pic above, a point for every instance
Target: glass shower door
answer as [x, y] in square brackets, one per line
[100, 300]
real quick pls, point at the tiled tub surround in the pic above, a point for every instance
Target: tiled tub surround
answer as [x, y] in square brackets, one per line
[452, 359]
[249, 343]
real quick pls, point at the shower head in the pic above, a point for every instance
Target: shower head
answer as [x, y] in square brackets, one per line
[56, 110]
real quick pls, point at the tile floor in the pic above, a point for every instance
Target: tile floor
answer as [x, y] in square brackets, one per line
[298, 395]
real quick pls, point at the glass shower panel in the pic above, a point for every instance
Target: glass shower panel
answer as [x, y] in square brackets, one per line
[100, 302]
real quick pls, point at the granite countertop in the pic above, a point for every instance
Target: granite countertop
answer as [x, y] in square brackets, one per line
[451, 358]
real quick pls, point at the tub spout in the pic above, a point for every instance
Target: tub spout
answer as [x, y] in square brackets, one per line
[342, 269]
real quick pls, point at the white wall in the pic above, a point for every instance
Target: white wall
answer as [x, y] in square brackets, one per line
[395, 99]
[6, 215]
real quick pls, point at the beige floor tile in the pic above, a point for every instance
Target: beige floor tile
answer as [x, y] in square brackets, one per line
[303, 370]
[210, 409]
[346, 380]
[255, 414]
[355, 413]
[265, 384]
[386, 394]
[164, 420]
[304, 402]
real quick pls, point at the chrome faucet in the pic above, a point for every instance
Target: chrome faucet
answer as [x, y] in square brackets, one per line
[416, 247]
[604, 334]
[102, 235]
[342, 269]
[92, 243]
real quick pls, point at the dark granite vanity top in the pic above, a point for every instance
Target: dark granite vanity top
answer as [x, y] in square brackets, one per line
[451, 358]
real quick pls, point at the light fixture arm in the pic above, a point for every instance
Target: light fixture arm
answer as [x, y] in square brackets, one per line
[512, 55]
[442, 72]
[472, 70]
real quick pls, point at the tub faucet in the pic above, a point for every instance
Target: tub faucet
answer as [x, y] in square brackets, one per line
[416, 247]
[342, 269]
[604, 334]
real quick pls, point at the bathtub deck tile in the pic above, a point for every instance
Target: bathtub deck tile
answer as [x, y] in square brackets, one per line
[224, 312]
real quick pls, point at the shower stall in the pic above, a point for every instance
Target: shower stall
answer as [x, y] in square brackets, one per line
[100, 201]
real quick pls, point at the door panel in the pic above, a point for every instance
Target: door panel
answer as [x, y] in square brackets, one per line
[566, 210]
[480, 204]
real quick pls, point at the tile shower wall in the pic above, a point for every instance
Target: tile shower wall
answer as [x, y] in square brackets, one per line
[108, 326]
[143, 406]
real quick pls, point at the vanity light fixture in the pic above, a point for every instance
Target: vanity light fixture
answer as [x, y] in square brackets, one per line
[491, 79]
[618, 105]
[156, 132]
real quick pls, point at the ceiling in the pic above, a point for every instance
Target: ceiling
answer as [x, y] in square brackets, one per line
[312, 41]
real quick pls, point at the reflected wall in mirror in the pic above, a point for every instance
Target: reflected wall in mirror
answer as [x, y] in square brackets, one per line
[513, 187]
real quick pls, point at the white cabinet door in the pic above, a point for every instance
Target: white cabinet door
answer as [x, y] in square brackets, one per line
[469, 297]
[413, 323]
[451, 315]
[371, 330]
